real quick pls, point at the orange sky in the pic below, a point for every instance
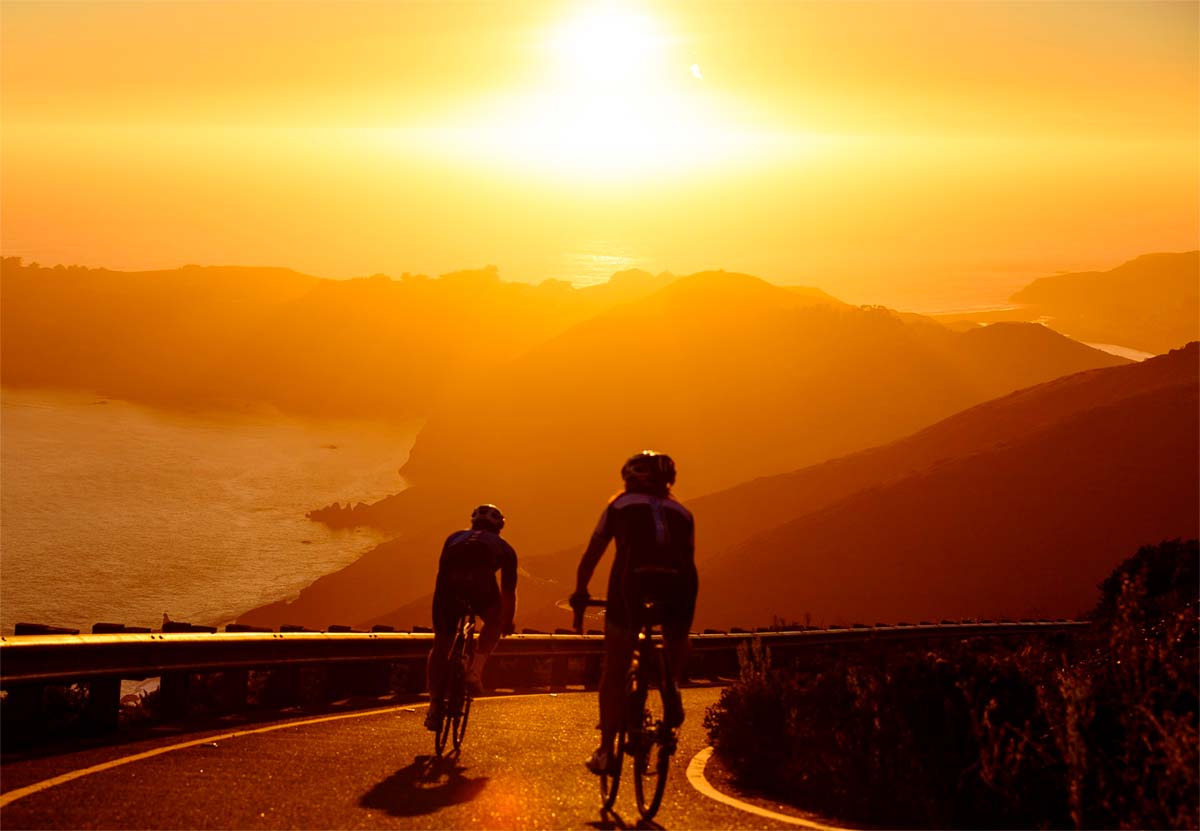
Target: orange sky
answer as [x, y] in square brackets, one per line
[920, 155]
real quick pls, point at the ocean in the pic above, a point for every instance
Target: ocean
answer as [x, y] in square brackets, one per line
[112, 511]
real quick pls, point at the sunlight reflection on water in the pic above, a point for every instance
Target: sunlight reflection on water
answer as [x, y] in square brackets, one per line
[116, 512]
[595, 262]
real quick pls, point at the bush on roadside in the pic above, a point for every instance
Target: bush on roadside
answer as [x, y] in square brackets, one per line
[1099, 730]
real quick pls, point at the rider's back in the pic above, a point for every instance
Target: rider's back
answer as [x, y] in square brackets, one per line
[474, 554]
[653, 534]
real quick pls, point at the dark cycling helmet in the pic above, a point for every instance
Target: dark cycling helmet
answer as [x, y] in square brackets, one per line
[487, 516]
[649, 469]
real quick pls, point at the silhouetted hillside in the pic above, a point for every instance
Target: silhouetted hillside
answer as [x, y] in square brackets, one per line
[1150, 303]
[1017, 507]
[207, 335]
[734, 376]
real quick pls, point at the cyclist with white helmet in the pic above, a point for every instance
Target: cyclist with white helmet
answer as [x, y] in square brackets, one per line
[655, 559]
[467, 576]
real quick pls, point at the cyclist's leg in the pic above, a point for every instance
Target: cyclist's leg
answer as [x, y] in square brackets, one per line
[435, 673]
[618, 652]
[489, 631]
[486, 603]
[675, 638]
[445, 621]
[678, 611]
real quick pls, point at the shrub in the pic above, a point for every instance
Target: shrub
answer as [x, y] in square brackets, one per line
[1095, 731]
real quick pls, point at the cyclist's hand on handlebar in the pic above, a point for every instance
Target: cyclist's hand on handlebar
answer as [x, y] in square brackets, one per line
[578, 603]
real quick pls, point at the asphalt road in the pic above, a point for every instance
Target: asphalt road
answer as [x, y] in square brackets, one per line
[520, 767]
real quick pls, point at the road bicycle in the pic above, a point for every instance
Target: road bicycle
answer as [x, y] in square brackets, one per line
[456, 694]
[645, 736]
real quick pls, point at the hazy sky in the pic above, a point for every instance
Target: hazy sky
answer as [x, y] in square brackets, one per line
[918, 154]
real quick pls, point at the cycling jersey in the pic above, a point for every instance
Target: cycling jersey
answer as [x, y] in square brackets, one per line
[467, 574]
[655, 557]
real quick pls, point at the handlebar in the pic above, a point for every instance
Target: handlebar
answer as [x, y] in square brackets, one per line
[579, 610]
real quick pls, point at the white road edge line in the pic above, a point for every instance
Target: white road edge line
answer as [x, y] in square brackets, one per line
[19, 793]
[695, 775]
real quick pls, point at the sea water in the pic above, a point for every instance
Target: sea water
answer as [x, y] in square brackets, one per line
[110, 511]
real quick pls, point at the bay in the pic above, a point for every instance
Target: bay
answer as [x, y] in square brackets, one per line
[112, 511]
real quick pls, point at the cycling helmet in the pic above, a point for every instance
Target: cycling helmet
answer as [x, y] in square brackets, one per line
[649, 469]
[487, 516]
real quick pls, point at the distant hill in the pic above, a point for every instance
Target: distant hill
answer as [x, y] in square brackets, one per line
[737, 377]
[734, 376]
[1150, 303]
[373, 347]
[1019, 506]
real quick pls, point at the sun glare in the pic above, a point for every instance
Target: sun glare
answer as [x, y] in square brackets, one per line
[607, 46]
[616, 100]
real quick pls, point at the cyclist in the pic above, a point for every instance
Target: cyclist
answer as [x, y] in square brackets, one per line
[467, 574]
[655, 559]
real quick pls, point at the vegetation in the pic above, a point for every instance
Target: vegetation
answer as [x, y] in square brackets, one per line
[1096, 731]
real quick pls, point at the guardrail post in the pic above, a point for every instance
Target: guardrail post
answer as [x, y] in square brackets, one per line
[408, 677]
[559, 672]
[102, 708]
[173, 691]
[22, 712]
[234, 687]
[282, 687]
[593, 668]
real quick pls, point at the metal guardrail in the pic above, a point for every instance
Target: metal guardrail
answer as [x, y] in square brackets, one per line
[67, 659]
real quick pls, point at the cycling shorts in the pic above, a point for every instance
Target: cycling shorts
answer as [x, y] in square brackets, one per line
[452, 597]
[674, 596]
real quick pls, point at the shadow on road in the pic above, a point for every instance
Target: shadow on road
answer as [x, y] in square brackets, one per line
[612, 821]
[429, 784]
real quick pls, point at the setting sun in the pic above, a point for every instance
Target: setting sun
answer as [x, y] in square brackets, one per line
[614, 97]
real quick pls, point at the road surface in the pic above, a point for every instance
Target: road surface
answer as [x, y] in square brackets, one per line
[520, 767]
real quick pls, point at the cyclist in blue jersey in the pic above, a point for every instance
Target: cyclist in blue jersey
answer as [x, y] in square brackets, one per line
[655, 559]
[467, 576]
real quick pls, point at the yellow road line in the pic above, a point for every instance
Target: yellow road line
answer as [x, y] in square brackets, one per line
[18, 793]
[695, 775]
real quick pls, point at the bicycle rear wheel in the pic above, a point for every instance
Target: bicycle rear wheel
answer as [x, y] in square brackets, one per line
[459, 729]
[442, 734]
[453, 693]
[610, 782]
[650, 766]
[652, 752]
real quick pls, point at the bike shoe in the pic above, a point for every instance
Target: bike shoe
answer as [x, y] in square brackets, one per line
[599, 763]
[433, 720]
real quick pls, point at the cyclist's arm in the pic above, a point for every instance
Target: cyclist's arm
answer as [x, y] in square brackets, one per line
[595, 550]
[508, 589]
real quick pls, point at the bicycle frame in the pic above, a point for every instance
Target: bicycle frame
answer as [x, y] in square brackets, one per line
[650, 666]
[456, 696]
